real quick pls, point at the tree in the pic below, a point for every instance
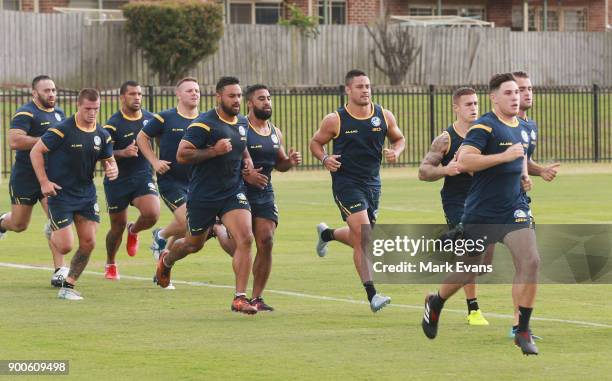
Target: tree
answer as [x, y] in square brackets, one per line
[174, 35]
[396, 46]
[308, 25]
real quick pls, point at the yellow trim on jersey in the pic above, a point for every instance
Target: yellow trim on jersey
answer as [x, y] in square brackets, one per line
[56, 131]
[187, 141]
[226, 121]
[481, 126]
[339, 125]
[257, 132]
[108, 126]
[450, 142]
[76, 122]
[158, 117]
[201, 125]
[42, 108]
[513, 123]
[457, 132]
[172, 205]
[384, 116]
[184, 116]
[366, 118]
[109, 139]
[132, 119]
[23, 113]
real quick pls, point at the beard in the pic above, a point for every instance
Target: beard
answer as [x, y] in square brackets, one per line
[262, 114]
[229, 110]
[46, 103]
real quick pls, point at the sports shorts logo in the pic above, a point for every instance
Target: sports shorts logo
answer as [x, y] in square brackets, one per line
[274, 139]
[375, 121]
[241, 130]
[520, 214]
[533, 135]
[58, 117]
[525, 136]
[97, 140]
[152, 186]
[241, 197]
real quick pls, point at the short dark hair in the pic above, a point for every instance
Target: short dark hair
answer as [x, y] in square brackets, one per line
[88, 94]
[39, 78]
[253, 88]
[458, 93]
[226, 81]
[186, 79]
[520, 74]
[126, 84]
[497, 80]
[352, 74]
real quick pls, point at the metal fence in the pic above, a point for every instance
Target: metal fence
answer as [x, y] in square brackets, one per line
[575, 123]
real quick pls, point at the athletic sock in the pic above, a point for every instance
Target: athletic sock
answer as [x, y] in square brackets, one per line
[524, 316]
[370, 289]
[66, 284]
[1, 229]
[515, 328]
[327, 235]
[239, 294]
[437, 302]
[472, 304]
[57, 269]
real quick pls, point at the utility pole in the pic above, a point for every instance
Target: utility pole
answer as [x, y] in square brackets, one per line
[545, 17]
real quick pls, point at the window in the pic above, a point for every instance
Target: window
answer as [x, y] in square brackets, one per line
[83, 4]
[336, 10]
[559, 19]
[421, 11]
[254, 13]
[240, 13]
[574, 20]
[9, 5]
[475, 13]
[267, 13]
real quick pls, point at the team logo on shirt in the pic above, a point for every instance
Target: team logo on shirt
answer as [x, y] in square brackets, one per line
[58, 117]
[375, 121]
[533, 135]
[520, 213]
[241, 130]
[274, 139]
[97, 140]
[145, 122]
[525, 136]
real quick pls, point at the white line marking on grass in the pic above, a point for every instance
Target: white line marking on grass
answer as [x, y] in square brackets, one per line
[309, 296]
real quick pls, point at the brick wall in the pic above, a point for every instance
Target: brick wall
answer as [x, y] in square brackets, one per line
[362, 11]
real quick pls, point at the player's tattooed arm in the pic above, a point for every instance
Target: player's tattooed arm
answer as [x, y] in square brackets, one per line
[144, 144]
[285, 161]
[430, 168]
[187, 153]
[329, 129]
[19, 140]
[396, 138]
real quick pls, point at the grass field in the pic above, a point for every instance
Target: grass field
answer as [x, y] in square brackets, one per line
[131, 330]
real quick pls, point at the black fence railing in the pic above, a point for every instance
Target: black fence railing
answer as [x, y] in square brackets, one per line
[575, 123]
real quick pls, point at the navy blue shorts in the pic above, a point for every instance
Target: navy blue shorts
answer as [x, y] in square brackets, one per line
[201, 216]
[61, 213]
[352, 199]
[173, 192]
[121, 193]
[493, 230]
[263, 206]
[24, 187]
